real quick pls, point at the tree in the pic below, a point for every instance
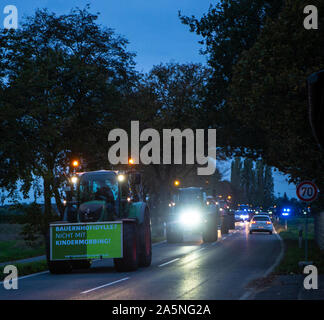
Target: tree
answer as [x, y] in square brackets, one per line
[268, 187]
[236, 167]
[269, 94]
[171, 96]
[253, 182]
[247, 181]
[229, 28]
[63, 79]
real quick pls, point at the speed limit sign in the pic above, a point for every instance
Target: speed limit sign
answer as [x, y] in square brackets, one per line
[307, 191]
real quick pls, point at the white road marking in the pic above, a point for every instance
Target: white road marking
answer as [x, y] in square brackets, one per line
[105, 285]
[30, 275]
[201, 249]
[164, 264]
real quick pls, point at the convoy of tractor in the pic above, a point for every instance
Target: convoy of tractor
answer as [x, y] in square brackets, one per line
[106, 216]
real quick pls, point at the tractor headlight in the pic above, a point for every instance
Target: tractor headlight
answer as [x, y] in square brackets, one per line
[74, 180]
[121, 178]
[190, 217]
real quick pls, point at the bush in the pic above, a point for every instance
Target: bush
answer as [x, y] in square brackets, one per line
[34, 223]
[10, 215]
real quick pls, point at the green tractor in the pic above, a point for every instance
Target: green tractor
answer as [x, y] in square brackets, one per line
[191, 212]
[105, 217]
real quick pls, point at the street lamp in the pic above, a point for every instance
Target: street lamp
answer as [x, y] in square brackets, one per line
[75, 163]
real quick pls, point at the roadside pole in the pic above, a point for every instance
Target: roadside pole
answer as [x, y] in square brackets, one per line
[306, 237]
[307, 192]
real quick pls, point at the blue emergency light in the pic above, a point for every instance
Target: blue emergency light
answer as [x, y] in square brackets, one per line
[286, 211]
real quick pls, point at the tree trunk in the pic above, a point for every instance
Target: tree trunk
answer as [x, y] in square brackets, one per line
[59, 205]
[47, 203]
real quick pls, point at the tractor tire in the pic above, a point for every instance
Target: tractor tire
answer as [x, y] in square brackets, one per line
[210, 233]
[81, 264]
[59, 267]
[232, 222]
[145, 242]
[130, 260]
[172, 236]
[225, 225]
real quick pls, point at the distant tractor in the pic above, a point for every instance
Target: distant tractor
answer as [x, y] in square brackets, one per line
[105, 217]
[190, 210]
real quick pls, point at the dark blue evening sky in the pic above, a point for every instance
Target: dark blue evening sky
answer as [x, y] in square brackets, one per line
[152, 27]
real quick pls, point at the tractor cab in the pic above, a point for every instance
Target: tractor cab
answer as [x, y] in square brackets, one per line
[101, 195]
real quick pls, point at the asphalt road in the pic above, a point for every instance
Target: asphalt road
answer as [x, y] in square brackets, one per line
[190, 270]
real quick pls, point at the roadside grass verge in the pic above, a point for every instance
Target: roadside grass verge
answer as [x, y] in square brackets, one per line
[16, 250]
[26, 268]
[14, 247]
[293, 254]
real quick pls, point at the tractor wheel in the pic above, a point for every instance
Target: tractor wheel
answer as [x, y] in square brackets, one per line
[232, 222]
[59, 267]
[173, 236]
[145, 242]
[130, 259]
[225, 225]
[81, 264]
[210, 234]
[56, 267]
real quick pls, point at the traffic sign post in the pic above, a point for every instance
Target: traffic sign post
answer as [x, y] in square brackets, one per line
[306, 191]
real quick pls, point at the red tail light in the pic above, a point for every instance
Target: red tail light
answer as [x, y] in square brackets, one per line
[268, 222]
[253, 222]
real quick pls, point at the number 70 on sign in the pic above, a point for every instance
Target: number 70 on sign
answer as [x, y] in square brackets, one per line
[307, 191]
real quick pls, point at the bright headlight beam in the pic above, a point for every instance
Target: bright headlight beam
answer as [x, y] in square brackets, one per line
[74, 180]
[121, 177]
[190, 218]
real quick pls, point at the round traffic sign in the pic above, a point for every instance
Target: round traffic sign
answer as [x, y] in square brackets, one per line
[307, 191]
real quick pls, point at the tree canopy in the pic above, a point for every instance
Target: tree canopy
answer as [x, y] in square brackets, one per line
[269, 94]
[63, 80]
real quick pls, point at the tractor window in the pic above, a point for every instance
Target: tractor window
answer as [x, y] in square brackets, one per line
[188, 195]
[90, 185]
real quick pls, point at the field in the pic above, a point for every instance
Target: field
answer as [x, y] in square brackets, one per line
[14, 247]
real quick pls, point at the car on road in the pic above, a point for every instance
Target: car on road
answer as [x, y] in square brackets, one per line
[241, 215]
[261, 223]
